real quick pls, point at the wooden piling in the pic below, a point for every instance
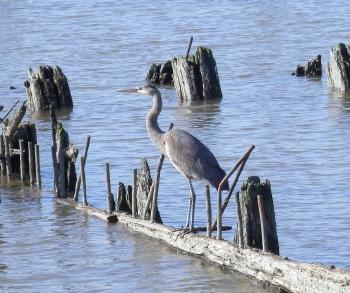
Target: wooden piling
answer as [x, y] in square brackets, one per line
[219, 217]
[189, 47]
[31, 163]
[83, 179]
[37, 166]
[262, 223]
[7, 156]
[149, 200]
[110, 200]
[21, 160]
[62, 174]
[77, 184]
[239, 232]
[2, 155]
[55, 169]
[134, 194]
[208, 207]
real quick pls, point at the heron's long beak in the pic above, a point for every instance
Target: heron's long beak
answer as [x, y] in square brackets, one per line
[133, 90]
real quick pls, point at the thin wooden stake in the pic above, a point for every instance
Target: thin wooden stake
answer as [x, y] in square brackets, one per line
[239, 221]
[21, 160]
[262, 223]
[7, 156]
[83, 179]
[134, 194]
[31, 163]
[77, 185]
[208, 207]
[110, 200]
[37, 166]
[62, 173]
[219, 217]
[189, 47]
[2, 155]
[55, 169]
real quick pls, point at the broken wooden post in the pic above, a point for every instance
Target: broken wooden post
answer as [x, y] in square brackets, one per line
[262, 223]
[189, 47]
[338, 68]
[7, 156]
[219, 216]
[110, 200]
[77, 184]
[123, 205]
[47, 85]
[21, 160]
[37, 165]
[61, 172]
[239, 230]
[2, 155]
[196, 77]
[31, 163]
[313, 68]
[134, 194]
[208, 208]
[14, 123]
[83, 180]
[251, 216]
[55, 168]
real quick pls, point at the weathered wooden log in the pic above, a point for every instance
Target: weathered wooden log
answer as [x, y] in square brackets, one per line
[83, 179]
[252, 235]
[110, 200]
[313, 68]
[37, 165]
[208, 209]
[62, 145]
[21, 160]
[239, 230]
[268, 268]
[14, 123]
[47, 85]
[31, 163]
[338, 68]
[122, 202]
[196, 77]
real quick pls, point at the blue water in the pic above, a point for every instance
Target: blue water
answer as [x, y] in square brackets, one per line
[299, 128]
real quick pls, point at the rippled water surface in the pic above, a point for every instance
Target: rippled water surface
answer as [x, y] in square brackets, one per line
[300, 129]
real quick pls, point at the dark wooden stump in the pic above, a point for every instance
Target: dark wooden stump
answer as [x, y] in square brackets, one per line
[338, 68]
[158, 74]
[252, 236]
[196, 77]
[123, 204]
[45, 86]
[312, 69]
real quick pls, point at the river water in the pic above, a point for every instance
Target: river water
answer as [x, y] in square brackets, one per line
[300, 130]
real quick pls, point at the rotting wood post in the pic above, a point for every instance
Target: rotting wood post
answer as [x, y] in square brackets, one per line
[208, 207]
[77, 184]
[239, 232]
[262, 223]
[219, 217]
[37, 166]
[134, 194]
[21, 160]
[189, 47]
[55, 169]
[7, 156]
[62, 176]
[110, 200]
[149, 200]
[2, 155]
[31, 163]
[83, 179]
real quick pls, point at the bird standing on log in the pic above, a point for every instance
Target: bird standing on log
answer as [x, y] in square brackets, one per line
[189, 155]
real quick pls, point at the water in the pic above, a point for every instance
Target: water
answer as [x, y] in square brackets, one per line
[300, 130]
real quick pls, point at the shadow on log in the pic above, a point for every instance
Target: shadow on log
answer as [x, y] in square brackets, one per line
[45, 86]
[338, 68]
[196, 77]
[252, 236]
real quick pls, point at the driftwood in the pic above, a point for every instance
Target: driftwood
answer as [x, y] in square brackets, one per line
[313, 68]
[251, 225]
[196, 77]
[266, 267]
[338, 68]
[47, 85]
[66, 155]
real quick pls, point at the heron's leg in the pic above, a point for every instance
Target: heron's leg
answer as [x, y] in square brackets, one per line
[189, 210]
[193, 197]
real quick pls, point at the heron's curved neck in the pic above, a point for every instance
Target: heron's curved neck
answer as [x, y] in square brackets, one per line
[154, 132]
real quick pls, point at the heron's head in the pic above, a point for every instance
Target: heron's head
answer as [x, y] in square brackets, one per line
[148, 89]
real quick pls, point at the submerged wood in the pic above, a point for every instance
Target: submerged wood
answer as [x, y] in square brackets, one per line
[252, 234]
[196, 76]
[266, 267]
[313, 68]
[338, 68]
[47, 85]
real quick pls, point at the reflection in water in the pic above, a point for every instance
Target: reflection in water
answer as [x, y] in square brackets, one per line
[339, 102]
[197, 114]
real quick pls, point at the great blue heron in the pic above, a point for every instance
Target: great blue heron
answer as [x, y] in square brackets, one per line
[189, 155]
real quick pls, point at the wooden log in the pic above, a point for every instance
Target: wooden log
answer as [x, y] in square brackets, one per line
[7, 156]
[2, 155]
[62, 173]
[47, 85]
[239, 230]
[110, 200]
[77, 184]
[338, 68]
[262, 223]
[134, 194]
[37, 166]
[208, 209]
[251, 217]
[21, 159]
[55, 169]
[83, 179]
